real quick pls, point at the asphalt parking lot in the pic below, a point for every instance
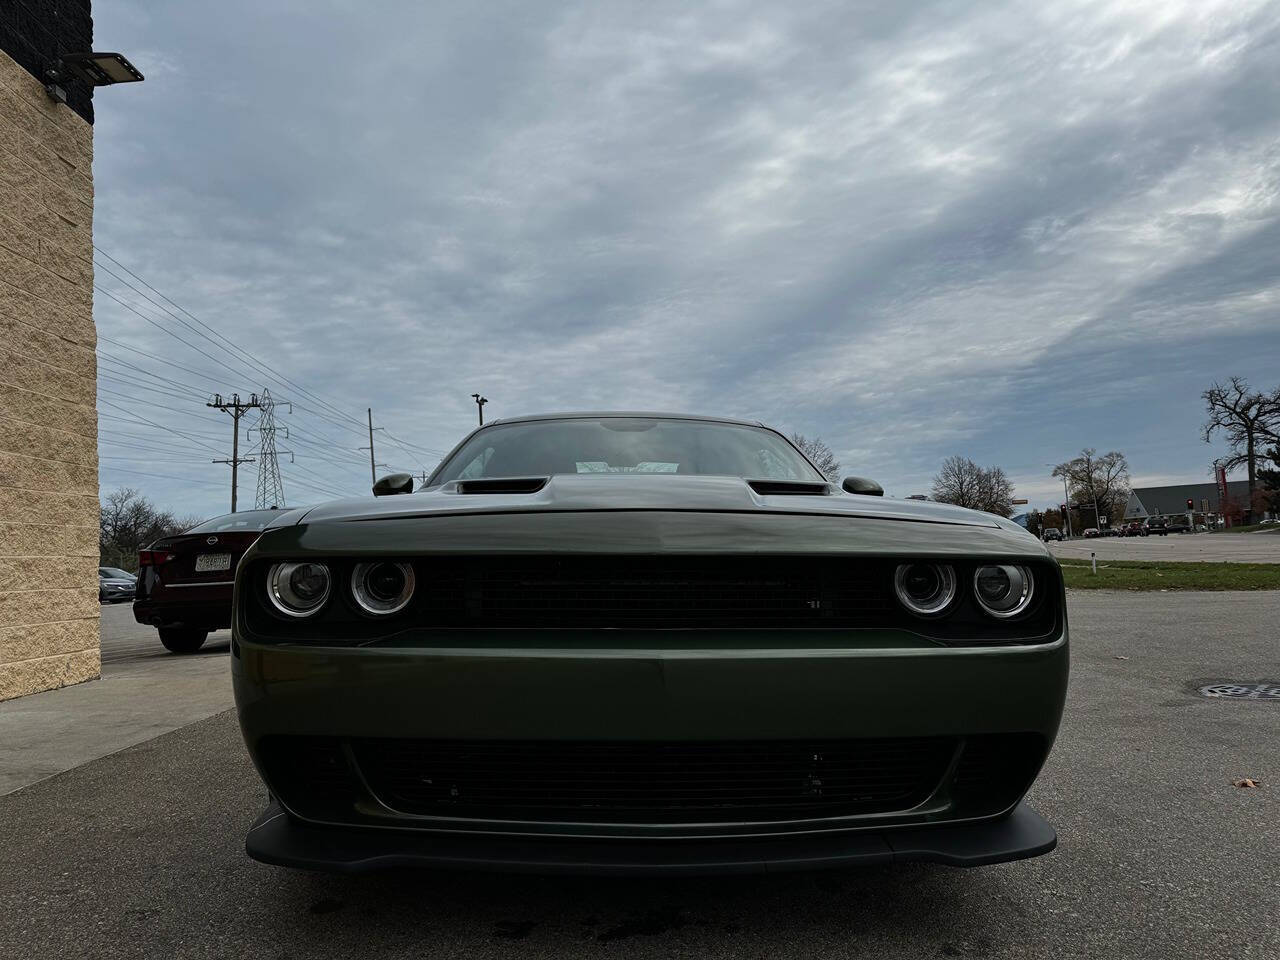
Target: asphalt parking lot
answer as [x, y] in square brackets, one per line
[124, 639]
[140, 853]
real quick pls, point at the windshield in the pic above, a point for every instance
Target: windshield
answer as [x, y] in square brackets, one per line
[247, 521]
[115, 573]
[542, 448]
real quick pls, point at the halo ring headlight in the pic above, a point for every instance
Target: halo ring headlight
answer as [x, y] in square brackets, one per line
[1003, 590]
[298, 588]
[926, 589]
[382, 587]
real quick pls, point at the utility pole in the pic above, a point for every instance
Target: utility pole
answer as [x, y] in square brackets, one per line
[480, 402]
[373, 465]
[235, 409]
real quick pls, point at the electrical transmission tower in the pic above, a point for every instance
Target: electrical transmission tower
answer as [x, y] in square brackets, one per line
[270, 486]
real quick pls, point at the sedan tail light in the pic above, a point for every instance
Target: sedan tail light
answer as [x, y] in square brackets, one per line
[154, 558]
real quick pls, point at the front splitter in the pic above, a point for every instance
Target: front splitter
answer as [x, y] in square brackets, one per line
[277, 838]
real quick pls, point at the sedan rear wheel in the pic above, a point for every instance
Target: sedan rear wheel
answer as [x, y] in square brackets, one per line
[182, 639]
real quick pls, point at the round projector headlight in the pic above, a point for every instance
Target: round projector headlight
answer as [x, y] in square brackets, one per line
[298, 589]
[383, 587]
[926, 589]
[1003, 590]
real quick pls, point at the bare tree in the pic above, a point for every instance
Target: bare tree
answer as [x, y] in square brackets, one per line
[1249, 420]
[1099, 482]
[962, 482]
[129, 521]
[821, 455]
[1270, 478]
[996, 492]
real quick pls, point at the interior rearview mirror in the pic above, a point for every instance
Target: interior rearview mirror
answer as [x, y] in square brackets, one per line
[862, 485]
[393, 483]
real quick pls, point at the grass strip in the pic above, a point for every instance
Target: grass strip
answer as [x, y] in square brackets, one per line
[1156, 575]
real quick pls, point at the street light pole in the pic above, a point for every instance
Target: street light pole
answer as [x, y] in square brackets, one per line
[480, 402]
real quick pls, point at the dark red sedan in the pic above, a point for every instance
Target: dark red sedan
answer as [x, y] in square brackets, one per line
[185, 581]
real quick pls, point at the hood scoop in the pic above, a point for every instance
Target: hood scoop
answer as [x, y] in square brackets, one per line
[774, 488]
[502, 485]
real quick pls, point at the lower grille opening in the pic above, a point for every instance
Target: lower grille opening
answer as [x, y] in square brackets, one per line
[649, 782]
[310, 774]
[995, 770]
[652, 782]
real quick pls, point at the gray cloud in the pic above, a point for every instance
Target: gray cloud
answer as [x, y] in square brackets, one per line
[1005, 230]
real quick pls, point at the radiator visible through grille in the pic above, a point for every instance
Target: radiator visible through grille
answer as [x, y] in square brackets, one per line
[652, 782]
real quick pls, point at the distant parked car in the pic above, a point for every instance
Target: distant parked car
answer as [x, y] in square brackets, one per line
[1052, 533]
[1157, 527]
[116, 585]
[1135, 529]
[184, 581]
[1091, 532]
[1179, 525]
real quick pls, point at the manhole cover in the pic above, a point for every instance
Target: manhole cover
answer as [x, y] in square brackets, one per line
[1242, 691]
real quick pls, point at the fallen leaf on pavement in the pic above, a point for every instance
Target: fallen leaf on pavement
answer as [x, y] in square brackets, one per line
[1122, 658]
[1246, 783]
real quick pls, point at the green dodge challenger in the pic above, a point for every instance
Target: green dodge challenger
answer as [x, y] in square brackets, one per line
[643, 643]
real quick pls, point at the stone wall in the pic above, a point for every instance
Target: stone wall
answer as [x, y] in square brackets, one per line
[48, 384]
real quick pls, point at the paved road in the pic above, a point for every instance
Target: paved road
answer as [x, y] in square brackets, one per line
[1234, 547]
[139, 853]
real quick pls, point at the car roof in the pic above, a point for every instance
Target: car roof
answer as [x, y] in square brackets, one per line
[638, 414]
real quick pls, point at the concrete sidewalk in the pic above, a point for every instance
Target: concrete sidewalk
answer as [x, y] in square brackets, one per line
[134, 701]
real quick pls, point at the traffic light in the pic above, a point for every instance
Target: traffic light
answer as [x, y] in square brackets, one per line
[1062, 509]
[1191, 504]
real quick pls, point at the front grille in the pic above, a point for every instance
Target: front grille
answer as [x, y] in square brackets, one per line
[667, 592]
[652, 782]
[646, 593]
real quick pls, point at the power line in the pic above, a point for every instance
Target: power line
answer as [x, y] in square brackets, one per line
[230, 347]
[152, 423]
[162, 476]
[177, 384]
[142, 386]
[153, 356]
[227, 345]
[161, 326]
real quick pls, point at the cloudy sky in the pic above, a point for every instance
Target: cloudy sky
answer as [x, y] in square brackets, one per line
[1003, 230]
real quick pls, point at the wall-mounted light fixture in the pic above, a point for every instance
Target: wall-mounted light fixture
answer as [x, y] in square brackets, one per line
[94, 69]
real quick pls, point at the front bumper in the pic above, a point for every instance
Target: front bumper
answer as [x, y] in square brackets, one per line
[610, 692]
[277, 838]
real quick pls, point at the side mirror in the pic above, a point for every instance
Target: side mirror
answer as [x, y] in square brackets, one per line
[868, 488]
[393, 483]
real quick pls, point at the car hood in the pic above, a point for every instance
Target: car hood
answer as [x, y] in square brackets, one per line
[596, 492]
[116, 582]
